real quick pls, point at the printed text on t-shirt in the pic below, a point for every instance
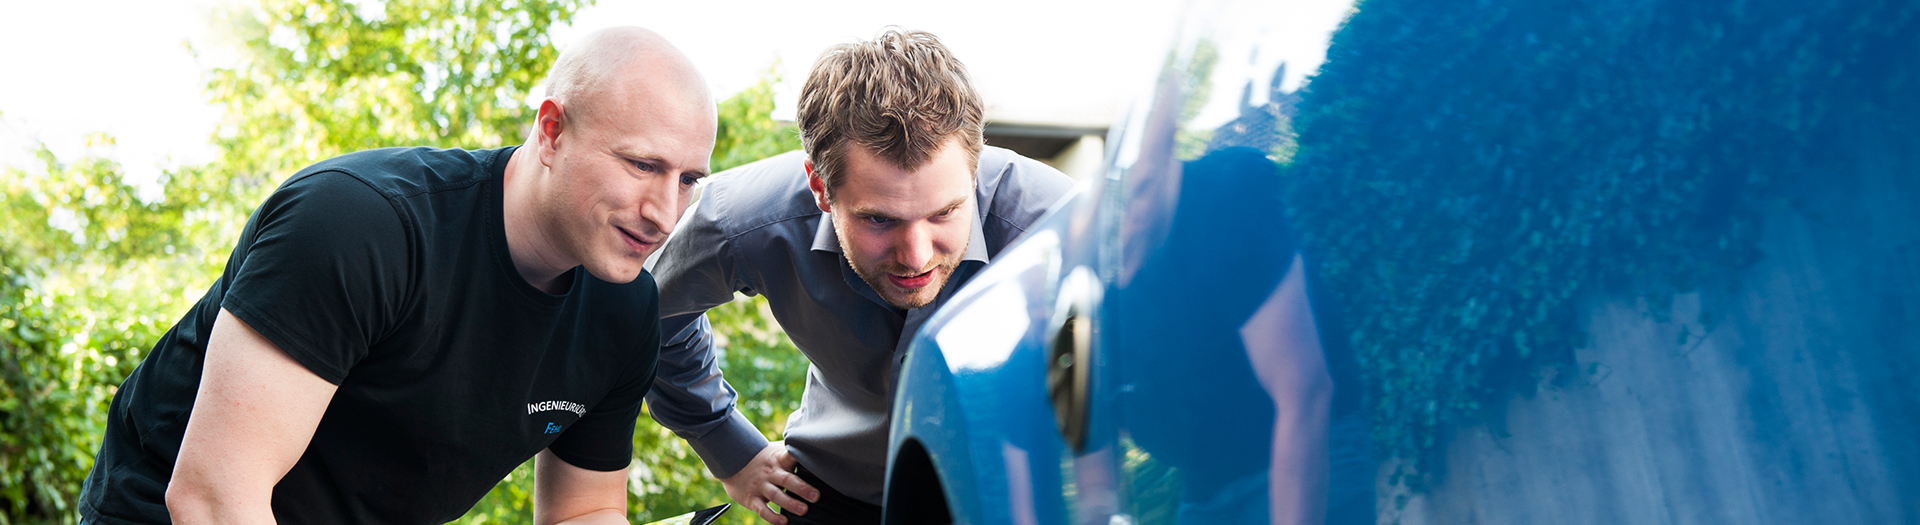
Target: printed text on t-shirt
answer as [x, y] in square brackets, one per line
[544, 406]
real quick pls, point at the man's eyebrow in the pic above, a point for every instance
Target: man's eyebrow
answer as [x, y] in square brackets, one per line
[870, 212]
[955, 204]
[664, 163]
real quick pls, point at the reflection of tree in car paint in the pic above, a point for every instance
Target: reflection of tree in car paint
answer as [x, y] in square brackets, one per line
[1267, 127]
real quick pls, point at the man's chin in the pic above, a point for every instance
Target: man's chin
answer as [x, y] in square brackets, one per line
[919, 297]
[616, 274]
[908, 303]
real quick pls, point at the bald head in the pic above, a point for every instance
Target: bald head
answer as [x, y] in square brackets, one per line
[616, 149]
[611, 70]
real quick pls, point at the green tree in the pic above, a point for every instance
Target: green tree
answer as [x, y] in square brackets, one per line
[89, 277]
[326, 77]
[747, 130]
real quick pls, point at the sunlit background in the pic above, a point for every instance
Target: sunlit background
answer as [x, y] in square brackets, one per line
[1050, 70]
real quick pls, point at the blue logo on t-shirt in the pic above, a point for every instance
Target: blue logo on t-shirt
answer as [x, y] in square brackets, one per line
[552, 428]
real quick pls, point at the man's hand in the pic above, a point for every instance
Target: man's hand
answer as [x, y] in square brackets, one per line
[762, 481]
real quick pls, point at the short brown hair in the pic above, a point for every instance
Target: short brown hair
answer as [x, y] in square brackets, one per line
[901, 95]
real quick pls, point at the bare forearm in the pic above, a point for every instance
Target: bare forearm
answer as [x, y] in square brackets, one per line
[1297, 483]
[599, 517]
[253, 415]
[1283, 343]
[191, 503]
[563, 493]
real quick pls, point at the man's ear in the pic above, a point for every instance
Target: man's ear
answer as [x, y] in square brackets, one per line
[547, 126]
[818, 186]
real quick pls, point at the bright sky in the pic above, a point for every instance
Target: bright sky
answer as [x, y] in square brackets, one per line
[123, 67]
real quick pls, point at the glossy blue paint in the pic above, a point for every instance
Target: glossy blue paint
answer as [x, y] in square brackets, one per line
[973, 403]
[1176, 246]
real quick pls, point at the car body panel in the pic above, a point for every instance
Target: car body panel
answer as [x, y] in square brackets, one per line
[1161, 260]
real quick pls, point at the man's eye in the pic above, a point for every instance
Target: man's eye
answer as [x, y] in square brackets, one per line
[878, 220]
[644, 166]
[688, 180]
[948, 211]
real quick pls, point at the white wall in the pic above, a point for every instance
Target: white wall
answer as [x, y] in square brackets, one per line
[1082, 159]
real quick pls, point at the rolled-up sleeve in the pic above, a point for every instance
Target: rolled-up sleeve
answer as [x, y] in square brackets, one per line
[696, 272]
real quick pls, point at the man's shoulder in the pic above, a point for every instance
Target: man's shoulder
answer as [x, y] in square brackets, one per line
[400, 172]
[753, 196]
[1017, 190]
[376, 195]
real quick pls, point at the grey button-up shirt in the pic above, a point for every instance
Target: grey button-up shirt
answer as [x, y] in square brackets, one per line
[756, 230]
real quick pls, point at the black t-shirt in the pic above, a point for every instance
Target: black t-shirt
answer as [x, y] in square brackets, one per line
[386, 272]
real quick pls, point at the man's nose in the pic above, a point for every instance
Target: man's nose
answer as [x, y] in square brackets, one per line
[662, 205]
[915, 248]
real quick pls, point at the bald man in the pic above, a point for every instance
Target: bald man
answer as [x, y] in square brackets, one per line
[397, 329]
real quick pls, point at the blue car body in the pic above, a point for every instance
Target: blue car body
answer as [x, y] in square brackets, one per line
[1096, 371]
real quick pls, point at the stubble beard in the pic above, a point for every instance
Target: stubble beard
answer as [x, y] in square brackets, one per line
[876, 278]
[556, 225]
[589, 243]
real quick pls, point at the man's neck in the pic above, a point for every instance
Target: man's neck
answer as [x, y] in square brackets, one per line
[537, 261]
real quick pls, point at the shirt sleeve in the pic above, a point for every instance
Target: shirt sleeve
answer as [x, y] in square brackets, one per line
[324, 273]
[602, 439]
[696, 403]
[697, 272]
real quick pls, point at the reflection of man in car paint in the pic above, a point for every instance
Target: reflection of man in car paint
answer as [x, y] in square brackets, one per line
[894, 204]
[1251, 345]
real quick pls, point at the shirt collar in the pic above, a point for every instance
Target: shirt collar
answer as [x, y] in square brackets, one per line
[825, 240]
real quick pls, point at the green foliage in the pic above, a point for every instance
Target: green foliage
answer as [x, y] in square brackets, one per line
[747, 130]
[327, 77]
[90, 276]
[1196, 81]
[1467, 173]
[768, 371]
[1153, 488]
[510, 501]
